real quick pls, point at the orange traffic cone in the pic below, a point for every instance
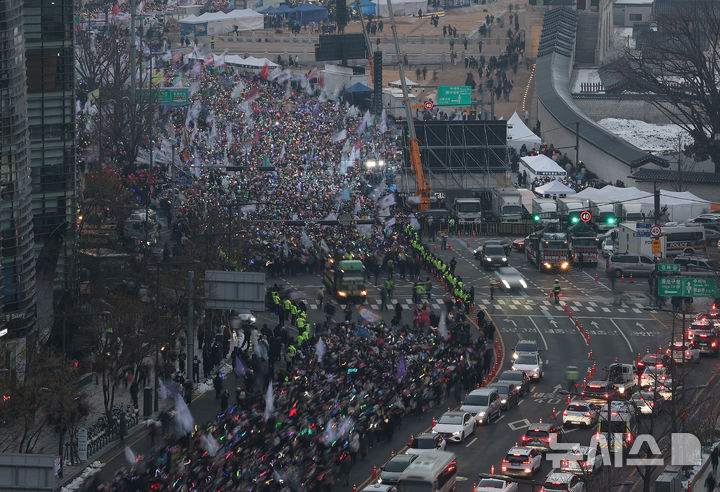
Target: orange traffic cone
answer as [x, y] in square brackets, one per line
[484, 382]
[434, 422]
[570, 313]
[582, 328]
[435, 248]
[412, 439]
[622, 279]
[631, 280]
[616, 359]
[392, 453]
[473, 234]
[492, 470]
[449, 245]
[472, 308]
[553, 416]
[590, 355]
[577, 323]
[568, 402]
[566, 308]
[374, 475]
[354, 488]
[637, 362]
[596, 277]
[587, 337]
[584, 382]
[660, 349]
[474, 486]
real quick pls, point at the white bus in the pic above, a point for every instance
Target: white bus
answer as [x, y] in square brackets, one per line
[434, 471]
[687, 239]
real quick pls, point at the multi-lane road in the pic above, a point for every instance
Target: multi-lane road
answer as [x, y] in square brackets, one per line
[615, 332]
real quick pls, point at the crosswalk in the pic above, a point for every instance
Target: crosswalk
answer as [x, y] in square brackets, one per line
[519, 305]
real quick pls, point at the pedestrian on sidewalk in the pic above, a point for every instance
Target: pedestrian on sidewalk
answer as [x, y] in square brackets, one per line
[152, 431]
[187, 391]
[182, 359]
[134, 393]
[196, 369]
[714, 456]
[320, 297]
[383, 299]
[217, 384]
[122, 427]
[224, 398]
[710, 483]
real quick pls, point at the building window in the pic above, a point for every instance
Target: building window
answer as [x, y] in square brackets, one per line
[635, 17]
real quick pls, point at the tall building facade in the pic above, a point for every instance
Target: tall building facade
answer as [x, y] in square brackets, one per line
[17, 256]
[51, 120]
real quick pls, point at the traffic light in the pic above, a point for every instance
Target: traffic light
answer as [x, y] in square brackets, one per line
[574, 219]
[537, 218]
[610, 221]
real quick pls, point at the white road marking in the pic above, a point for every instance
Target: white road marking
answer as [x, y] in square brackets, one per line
[593, 304]
[623, 335]
[541, 335]
[520, 402]
[607, 310]
[592, 310]
[500, 418]
[471, 442]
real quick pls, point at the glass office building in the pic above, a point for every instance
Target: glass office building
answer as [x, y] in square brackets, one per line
[17, 255]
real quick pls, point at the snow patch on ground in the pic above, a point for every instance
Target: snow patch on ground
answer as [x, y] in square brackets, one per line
[649, 137]
[91, 470]
[585, 75]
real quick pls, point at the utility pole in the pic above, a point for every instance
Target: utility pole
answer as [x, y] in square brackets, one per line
[577, 144]
[132, 53]
[656, 197]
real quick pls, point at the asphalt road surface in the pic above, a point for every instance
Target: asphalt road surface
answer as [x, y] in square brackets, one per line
[615, 332]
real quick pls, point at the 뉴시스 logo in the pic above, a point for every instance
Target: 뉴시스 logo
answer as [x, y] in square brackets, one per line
[685, 450]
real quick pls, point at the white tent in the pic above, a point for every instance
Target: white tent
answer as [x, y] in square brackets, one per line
[408, 82]
[221, 23]
[400, 7]
[518, 135]
[554, 188]
[680, 205]
[541, 166]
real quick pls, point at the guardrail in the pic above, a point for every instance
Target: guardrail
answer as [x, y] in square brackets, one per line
[98, 441]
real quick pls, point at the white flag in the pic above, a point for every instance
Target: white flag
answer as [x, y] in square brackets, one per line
[340, 136]
[386, 201]
[306, 240]
[210, 444]
[442, 326]
[320, 349]
[130, 456]
[269, 402]
[183, 418]
[238, 90]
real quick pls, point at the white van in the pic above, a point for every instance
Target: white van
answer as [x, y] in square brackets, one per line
[435, 471]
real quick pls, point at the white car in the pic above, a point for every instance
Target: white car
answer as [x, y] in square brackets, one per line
[525, 347]
[580, 412]
[379, 487]
[495, 485]
[521, 461]
[455, 426]
[691, 354]
[618, 406]
[647, 402]
[426, 443]
[510, 278]
[530, 364]
[653, 376]
[566, 482]
[583, 460]
[484, 404]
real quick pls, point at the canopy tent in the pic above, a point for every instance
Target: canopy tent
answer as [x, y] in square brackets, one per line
[211, 23]
[304, 13]
[400, 7]
[408, 82]
[680, 205]
[250, 62]
[358, 88]
[518, 134]
[269, 10]
[538, 166]
[368, 7]
[554, 188]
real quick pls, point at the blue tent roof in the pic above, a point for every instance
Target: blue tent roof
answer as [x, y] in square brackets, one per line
[358, 88]
[283, 9]
[304, 7]
[269, 10]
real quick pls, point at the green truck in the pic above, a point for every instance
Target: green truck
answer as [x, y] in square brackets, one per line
[345, 280]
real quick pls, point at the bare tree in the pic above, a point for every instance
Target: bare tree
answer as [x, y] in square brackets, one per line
[679, 64]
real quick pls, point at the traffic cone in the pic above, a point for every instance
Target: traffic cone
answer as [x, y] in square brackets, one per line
[392, 453]
[354, 488]
[449, 245]
[616, 359]
[484, 382]
[584, 382]
[582, 329]
[566, 308]
[568, 402]
[587, 337]
[622, 278]
[434, 422]
[492, 470]
[496, 344]
[570, 313]
[412, 439]
[631, 280]
[472, 308]
[474, 486]
[590, 355]
[577, 323]
[435, 248]
[647, 350]
[473, 234]
[374, 475]
[660, 349]
[553, 416]
[467, 244]
[596, 277]
[458, 234]
[637, 362]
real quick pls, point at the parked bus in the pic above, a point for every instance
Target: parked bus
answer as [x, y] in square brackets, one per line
[435, 471]
[684, 239]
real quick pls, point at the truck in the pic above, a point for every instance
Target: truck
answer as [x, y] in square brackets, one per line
[467, 210]
[527, 197]
[623, 377]
[549, 251]
[603, 215]
[571, 207]
[507, 205]
[629, 212]
[546, 208]
[628, 238]
[584, 243]
[345, 280]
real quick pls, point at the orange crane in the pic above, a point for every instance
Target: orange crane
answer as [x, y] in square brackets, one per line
[422, 188]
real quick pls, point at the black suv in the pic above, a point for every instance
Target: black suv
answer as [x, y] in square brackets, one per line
[600, 392]
[493, 254]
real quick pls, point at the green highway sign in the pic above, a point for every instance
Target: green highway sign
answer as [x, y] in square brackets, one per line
[454, 95]
[166, 96]
[688, 287]
[668, 267]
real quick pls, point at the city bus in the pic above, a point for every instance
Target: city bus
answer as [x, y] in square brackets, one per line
[435, 471]
[684, 239]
